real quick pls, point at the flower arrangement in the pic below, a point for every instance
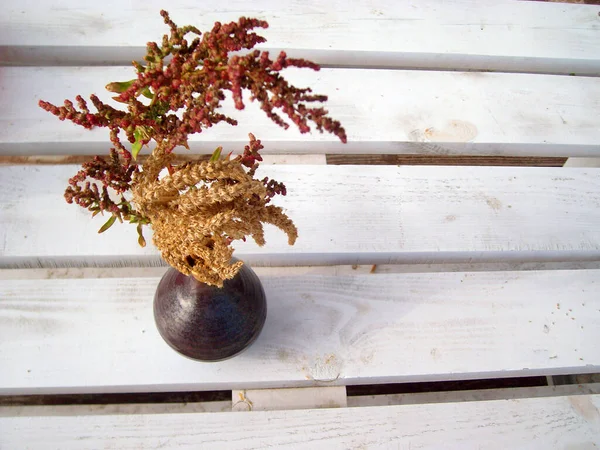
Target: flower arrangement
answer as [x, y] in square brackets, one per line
[196, 209]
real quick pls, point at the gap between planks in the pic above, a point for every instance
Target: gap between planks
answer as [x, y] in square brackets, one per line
[366, 159]
[7, 160]
[445, 160]
[300, 398]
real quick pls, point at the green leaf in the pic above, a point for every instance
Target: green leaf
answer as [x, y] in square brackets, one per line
[137, 145]
[108, 224]
[146, 92]
[119, 86]
[216, 154]
[141, 239]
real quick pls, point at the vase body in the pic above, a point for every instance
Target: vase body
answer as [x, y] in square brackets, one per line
[207, 323]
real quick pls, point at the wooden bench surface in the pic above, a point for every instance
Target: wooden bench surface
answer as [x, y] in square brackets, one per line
[541, 423]
[502, 35]
[346, 215]
[335, 329]
[400, 274]
[398, 112]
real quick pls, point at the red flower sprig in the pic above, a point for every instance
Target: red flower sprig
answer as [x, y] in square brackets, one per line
[190, 75]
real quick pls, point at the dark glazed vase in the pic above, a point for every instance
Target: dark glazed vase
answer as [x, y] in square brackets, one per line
[208, 323]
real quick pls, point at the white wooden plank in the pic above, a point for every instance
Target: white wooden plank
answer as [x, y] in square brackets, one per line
[561, 422]
[345, 215]
[475, 34]
[288, 398]
[383, 111]
[98, 335]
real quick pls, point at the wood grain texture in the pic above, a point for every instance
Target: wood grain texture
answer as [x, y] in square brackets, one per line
[383, 111]
[345, 215]
[98, 335]
[560, 422]
[482, 35]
